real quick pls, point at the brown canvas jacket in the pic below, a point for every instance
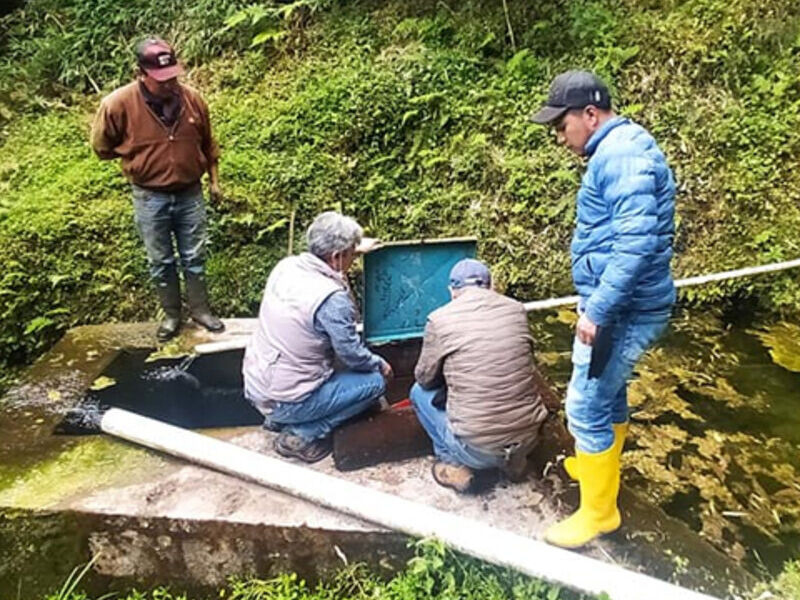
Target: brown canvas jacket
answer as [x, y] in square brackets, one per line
[154, 156]
[480, 345]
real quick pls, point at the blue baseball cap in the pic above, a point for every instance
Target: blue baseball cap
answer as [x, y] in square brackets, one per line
[469, 271]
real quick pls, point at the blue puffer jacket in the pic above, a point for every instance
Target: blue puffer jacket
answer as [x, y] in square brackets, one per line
[622, 245]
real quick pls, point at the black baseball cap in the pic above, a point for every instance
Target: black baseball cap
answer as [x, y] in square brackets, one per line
[157, 58]
[573, 89]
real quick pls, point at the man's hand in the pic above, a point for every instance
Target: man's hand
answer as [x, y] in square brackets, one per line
[386, 371]
[368, 245]
[214, 192]
[586, 330]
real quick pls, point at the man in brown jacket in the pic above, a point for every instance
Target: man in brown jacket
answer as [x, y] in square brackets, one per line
[474, 392]
[161, 132]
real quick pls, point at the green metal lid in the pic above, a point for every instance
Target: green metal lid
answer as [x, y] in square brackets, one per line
[404, 282]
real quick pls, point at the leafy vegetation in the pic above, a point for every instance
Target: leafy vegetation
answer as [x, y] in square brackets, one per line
[412, 116]
[787, 586]
[434, 574]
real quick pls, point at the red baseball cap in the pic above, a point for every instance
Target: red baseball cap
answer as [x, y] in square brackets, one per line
[157, 58]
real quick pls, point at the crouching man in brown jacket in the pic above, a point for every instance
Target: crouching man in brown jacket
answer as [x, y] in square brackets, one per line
[475, 393]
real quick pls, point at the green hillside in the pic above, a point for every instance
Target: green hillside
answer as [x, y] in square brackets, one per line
[410, 115]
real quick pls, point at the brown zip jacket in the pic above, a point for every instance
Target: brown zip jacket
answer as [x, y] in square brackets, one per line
[154, 156]
[480, 346]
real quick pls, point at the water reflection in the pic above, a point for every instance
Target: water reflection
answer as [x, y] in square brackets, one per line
[715, 427]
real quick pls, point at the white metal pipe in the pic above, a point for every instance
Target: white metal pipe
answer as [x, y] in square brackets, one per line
[737, 273]
[472, 537]
[700, 279]
[240, 342]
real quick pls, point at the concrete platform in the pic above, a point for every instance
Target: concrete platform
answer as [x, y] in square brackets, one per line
[149, 519]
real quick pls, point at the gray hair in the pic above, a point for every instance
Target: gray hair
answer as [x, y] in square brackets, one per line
[332, 232]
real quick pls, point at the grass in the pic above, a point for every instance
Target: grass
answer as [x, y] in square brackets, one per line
[785, 587]
[434, 574]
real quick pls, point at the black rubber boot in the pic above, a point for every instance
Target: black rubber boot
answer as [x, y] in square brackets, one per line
[169, 293]
[197, 299]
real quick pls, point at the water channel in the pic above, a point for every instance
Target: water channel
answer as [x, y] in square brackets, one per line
[714, 411]
[715, 436]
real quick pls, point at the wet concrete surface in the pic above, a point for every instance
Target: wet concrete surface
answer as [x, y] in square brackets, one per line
[386, 436]
[151, 519]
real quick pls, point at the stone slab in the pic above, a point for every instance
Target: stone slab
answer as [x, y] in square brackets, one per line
[118, 501]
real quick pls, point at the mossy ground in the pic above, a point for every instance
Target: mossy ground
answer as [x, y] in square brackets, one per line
[85, 465]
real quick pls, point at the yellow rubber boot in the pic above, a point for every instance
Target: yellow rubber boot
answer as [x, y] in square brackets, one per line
[598, 513]
[620, 433]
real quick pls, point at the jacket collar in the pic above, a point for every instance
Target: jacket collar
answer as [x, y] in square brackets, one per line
[601, 133]
[314, 263]
[473, 291]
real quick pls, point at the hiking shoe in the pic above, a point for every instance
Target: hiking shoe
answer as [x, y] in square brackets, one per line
[455, 477]
[270, 425]
[294, 446]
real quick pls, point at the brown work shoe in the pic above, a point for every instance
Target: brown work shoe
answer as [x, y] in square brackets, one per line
[294, 446]
[456, 477]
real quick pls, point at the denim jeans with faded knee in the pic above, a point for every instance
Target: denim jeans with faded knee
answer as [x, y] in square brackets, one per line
[594, 405]
[344, 395]
[447, 446]
[160, 216]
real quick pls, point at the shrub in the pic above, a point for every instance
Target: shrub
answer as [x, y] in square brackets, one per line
[412, 116]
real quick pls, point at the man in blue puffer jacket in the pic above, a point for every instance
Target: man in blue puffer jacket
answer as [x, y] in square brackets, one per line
[621, 252]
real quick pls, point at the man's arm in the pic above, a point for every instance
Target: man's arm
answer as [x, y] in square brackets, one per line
[213, 182]
[428, 371]
[630, 192]
[106, 133]
[210, 149]
[336, 318]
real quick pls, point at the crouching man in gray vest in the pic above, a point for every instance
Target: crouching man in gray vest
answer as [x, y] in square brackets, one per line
[475, 392]
[308, 318]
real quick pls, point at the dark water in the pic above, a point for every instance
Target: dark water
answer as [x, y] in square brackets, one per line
[194, 392]
[198, 391]
[715, 436]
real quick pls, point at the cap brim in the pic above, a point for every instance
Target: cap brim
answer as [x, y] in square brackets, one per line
[165, 73]
[548, 114]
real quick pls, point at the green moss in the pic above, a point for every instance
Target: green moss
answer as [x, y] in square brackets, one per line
[90, 463]
[783, 341]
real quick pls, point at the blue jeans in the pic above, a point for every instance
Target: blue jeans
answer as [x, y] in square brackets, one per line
[446, 445]
[159, 216]
[595, 405]
[344, 395]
